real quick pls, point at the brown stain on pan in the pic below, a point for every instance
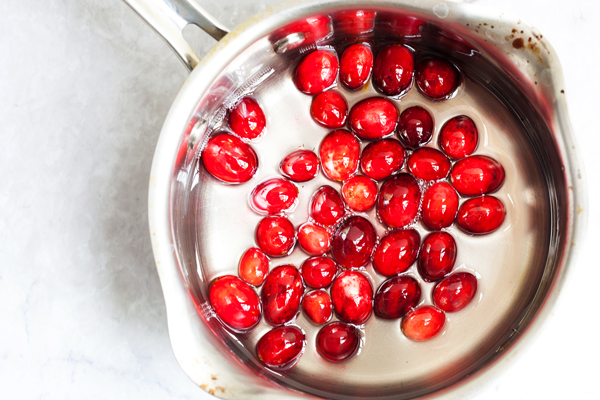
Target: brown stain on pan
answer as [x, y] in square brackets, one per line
[518, 43]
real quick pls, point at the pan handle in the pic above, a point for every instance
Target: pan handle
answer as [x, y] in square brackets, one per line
[169, 17]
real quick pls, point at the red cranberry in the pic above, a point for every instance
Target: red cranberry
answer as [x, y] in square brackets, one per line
[254, 266]
[281, 294]
[481, 215]
[393, 70]
[354, 22]
[382, 158]
[339, 152]
[396, 252]
[247, 119]
[326, 206]
[423, 323]
[398, 203]
[459, 137]
[477, 175]
[314, 239]
[373, 118]
[313, 28]
[235, 302]
[317, 306]
[318, 272]
[352, 297]
[275, 236]
[360, 193]
[316, 72]
[274, 196]
[396, 296]
[415, 127]
[428, 164]
[229, 159]
[353, 242]
[400, 24]
[455, 292]
[337, 341]
[436, 79]
[300, 166]
[280, 346]
[437, 256]
[355, 66]
[440, 203]
[329, 109]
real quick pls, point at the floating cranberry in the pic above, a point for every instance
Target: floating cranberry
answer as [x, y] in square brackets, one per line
[354, 22]
[360, 193]
[455, 292]
[355, 66]
[440, 203]
[275, 236]
[247, 119]
[396, 252]
[436, 79]
[254, 266]
[329, 109]
[317, 306]
[428, 164]
[235, 302]
[353, 242]
[459, 137]
[481, 215]
[396, 296]
[352, 297]
[229, 159]
[318, 272]
[398, 203]
[274, 196]
[477, 175]
[337, 341]
[340, 153]
[382, 158]
[316, 72]
[280, 346]
[423, 323]
[312, 28]
[373, 118]
[281, 294]
[326, 206]
[300, 166]
[393, 70]
[415, 127]
[437, 256]
[314, 239]
[402, 25]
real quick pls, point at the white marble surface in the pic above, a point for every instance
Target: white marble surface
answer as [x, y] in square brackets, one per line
[84, 88]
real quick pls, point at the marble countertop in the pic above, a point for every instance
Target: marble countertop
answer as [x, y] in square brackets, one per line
[85, 87]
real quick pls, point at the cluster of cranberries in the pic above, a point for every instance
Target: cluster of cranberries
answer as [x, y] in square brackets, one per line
[340, 241]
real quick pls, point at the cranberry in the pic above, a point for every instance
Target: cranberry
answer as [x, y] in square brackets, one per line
[318, 272]
[352, 297]
[313, 28]
[247, 119]
[281, 294]
[373, 118]
[428, 164]
[274, 196]
[393, 70]
[356, 65]
[360, 193]
[300, 166]
[314, 239]
[436, 79]
[280, 346]
[455, 292]
[396, 296]
[337, 341]
[440, 203]
[254, 266]
[354, 22]
[326, 206]
[339, 152]
[415, 127]
[353, 242]
[481, 215]
[398, 203]
[396, 252]
[437, 256]
[275, 236]
[329, 109]
[423, 323]
[382, 158]
[477, 175]
[235, 302]
[458, 137]
[317, 306]
[229, 159]
[316, 72]
[400, 24]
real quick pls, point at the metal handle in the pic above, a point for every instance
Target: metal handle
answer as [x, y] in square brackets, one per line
[169, 17]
